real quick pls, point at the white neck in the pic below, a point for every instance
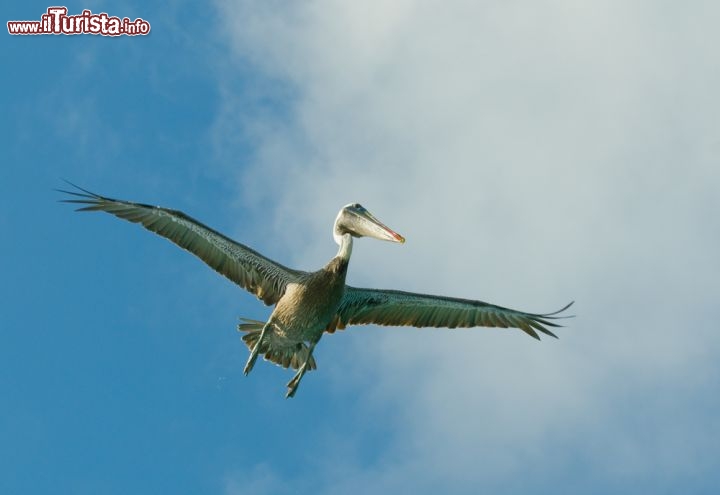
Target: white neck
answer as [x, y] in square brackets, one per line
[345, 241]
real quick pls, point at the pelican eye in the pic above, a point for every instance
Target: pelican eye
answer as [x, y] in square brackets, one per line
[357, 206]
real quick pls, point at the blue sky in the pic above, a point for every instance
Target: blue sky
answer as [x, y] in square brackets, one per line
[529, 154]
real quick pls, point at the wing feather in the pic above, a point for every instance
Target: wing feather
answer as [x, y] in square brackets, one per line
[398, 308]
[249, 269]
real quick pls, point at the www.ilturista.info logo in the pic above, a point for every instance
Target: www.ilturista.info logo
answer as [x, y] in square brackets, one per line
[56, 21]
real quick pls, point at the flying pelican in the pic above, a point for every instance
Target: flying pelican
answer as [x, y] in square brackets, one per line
[308, 304]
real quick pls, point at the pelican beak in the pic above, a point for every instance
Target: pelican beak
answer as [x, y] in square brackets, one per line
[369, 226]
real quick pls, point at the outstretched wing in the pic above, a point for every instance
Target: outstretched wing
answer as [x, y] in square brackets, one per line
[244, 266]
[398, 308]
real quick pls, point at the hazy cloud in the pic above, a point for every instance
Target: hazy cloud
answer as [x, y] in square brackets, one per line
[531, 153]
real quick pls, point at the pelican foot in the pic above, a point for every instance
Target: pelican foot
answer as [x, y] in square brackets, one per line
[255, 351]
[250, 363]
[293, 384]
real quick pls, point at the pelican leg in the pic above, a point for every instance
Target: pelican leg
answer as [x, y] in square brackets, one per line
[293, 384]
[255, 350]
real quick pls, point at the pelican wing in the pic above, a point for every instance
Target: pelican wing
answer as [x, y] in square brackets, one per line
[244, 266]
[398, 308]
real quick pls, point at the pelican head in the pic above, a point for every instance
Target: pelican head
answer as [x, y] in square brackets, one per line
[355, 220]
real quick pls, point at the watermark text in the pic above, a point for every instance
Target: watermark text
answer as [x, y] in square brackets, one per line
[57, 21]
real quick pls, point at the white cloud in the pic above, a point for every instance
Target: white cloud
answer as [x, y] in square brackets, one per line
[530, 153]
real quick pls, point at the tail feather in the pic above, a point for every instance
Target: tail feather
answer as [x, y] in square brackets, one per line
[249, 325]
[287, 356]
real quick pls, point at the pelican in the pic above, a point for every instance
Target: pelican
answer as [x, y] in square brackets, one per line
[308, 304]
